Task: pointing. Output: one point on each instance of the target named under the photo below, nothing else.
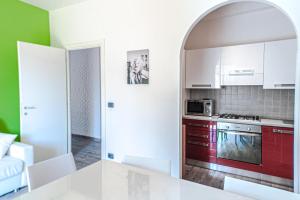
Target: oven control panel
(239, 127)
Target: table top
(107, 180)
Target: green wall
(18, 22)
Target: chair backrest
(47, 171)
(257, 191)
(163, 166)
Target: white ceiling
(52, 4)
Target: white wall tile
(250, 100)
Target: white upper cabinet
(242, 64)
(280, 64)
(203, 68)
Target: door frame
(87, 45)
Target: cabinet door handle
(199, 125)
(200, 136)
(284, 85)
(280, 131)
(201, 85)
(198, 143)
(242, 72)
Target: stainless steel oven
(239, 142)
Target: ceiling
(231, 9)
(52, 4)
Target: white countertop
(262, 122)
(108, 180)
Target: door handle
(242, 133)
(197, 135)
(29, 108)
(199, 125)
(242, 72)
(275, 130)
(198, 143)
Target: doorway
(218, 29)
(85, 105)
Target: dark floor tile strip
(216, 179)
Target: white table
(108, 180)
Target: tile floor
(86, 150)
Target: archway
(182, 61)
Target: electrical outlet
(110, 155)
(111, 104)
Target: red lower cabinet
(277, 148)
(277, 151)
(201, 140)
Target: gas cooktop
(240, 117)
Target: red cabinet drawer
(201, 140)
(192, 131)
(196, 152)
(200, 153)
(277, 151)
(199, 124)
(239, 165)
(200, 149)
(201, 129)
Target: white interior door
(43, 99)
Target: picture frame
(138, 67)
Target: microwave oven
(204, 107)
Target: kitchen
(240, 64)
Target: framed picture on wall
(138, 67)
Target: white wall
(85, 92)
(146, 118)
(240, 26)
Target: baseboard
(241, 172)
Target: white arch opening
(297, 87)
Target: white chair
(50, 170)
(257, 191)
(163, 166)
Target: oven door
(239, 146)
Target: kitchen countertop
(262, 122)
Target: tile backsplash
(250, 100)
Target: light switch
(111, 105)
(110, 156)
